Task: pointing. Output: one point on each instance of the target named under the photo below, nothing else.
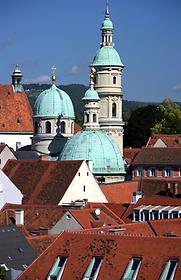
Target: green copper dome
(91, 94)
(107, 24)
(107, 56)
(53, 102)
(97, 146)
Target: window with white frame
(167, 172)
(93, 269)
(58, 268)
(139, 172)
(169, 270)
(152, 172)
(132, 269)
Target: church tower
(107, 68)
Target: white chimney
(19, 216)
(136, 197)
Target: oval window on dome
(48, 127)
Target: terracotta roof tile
(160, 186)
(87, 218)
(130, 154)
(116, 250)
(41, 243)
(46, 181)
(120, 192)
(170, 140)
(158, 156)
(168, 227)
(15, 111)
(37, 216)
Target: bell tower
(107, 68)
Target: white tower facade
(108, 68)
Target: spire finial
(54, 74)
(107, 8)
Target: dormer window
(169, 270)
(132, 269)
(93, 269)
(58, 268)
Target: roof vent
(98, 212)
(116, 229)
(170, 234)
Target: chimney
(136, 196)
(19, 216)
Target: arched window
(114, 110)
(94, 118)
(87, 118)
(114, 80)
(35, 127)
(62, 127)
(48, 127)
(72, 128)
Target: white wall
(12, 139)
(5, 155)
(9, 193)
(76, 189)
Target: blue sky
(39, 33)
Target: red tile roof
(130, 154)
(41, 243)
(153, 186)
(158, 156)
(120, 192)
(170, 140)
(116, 250)
(87, 218)
(36, 216)
(166, 227)
(15, 111)
(42, 182)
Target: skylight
(57, 269)
(132, 269)
(169, 270)
(93, 269)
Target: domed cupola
(53, 102)
(53, 119)
(98, 147)
(91, 107)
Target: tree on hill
(137, 130)
(170, 122)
